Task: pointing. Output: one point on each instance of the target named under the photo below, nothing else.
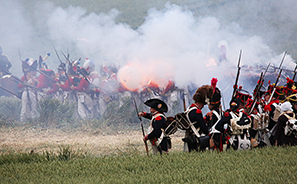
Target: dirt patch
(24, 140)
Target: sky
(171, 44)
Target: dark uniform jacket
(280, 136)
(157, 123)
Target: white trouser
(85, 106)
(29, 106)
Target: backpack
(239, 123)
(182, 119)
(170, 126)
(291, 126)
(277, 112)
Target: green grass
(267, 165)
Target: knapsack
(182, 119)
(239, 123)
(170, 126)
(291, 126)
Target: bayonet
(237, 76)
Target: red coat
(20, 84)
(83, 85)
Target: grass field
(56, 156)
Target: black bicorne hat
(157, 104)
(234, 103)
(29, 65)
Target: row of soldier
(266, 119)
(90, 90)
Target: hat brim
(157, 104)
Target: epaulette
(158, 118)
(198, 111)
(226, 114)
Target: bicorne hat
(157, 104)
(29, 65)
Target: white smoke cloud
(172, 43)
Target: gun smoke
(171, 44)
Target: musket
(280, 65)
(261, 82)
(58, 56)
(20, 81)
(294, 72)
(184, 104)
(237, 76)
(257, 89)
(145, 143)
(64, 69)
(279, 74)
(187, 132)
(274, 87)
(48, 77)
(10, 92)
(67, 60)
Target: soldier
(201, 97)
(272, 108)
(94, 90)
(61, 79)
(289, 88)
(243, 95)
(237, 132)
(158, 122)
(89, 66)
(108, 86)
(47, 84)
(84, 101)
(29, 102)
(72, 80)
(256, 119)
(286, 131)
(5, 64)
(212, 117)
(293, 100)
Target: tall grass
(10, 109)
(266, 165)
(54, 112)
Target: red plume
(214, 83)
